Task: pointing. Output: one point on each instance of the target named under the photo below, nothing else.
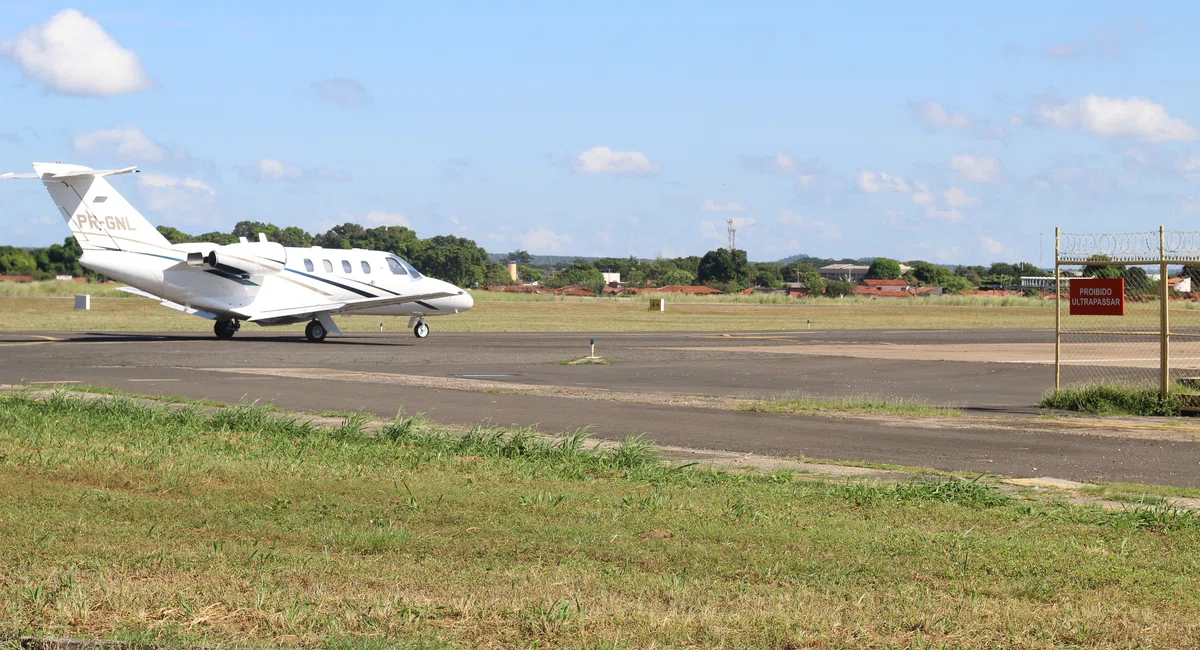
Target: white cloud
(388, 218)
(170, 182)
(544, 240)
(922, 197)
(784, 162)
(1110, 117)
(267, 170)
(937, 116)
(789, 217)
(1102, 44)
(270, 169)
(188, 199)
(872, 182)
(822, 229)
(603, 160)
(126, 142)
(981, 169)
(715, 206)
(1190, 167)
(934, 114)
(341, 91)
(496, 237)
(956, 198)
(953, 201)
(72, 54)
(806, 172)
(991, 245)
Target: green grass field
(499, 312)
(151, 524)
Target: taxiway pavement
(751, 365)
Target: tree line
(463, 262)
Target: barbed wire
(1179, 246)
(1183, 245)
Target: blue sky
(953, 132)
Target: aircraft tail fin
(99, 217)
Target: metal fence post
(1164, 379)
(1057, 317)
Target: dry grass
(141, 523)
(56, 289)
(578, 314)
(872, 404)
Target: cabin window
(308, 266)
(366, 267)
(395, 266)
(346, 268)
(328, 266)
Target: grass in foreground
(153, 524)
(1115, 399)
(871, 404)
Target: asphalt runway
(356, 372)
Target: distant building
(1181, 285)
(843, 272)
(611, 278)
(512, 271)
(1042, 282)
(886, 285)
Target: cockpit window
(395, 266)
(412, 270)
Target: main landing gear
(315, 332)
(421, 330)
(224, 329)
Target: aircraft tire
(315, 332)
(224, 329)
(421, 330)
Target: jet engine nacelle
(243, 259)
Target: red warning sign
(1097, 296)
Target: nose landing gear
(421, 330)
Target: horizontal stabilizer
(94, 172)
(167, 303)
(72, 173)
(344, 306)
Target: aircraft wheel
(224, 329)
(315, 332)
(421, 330)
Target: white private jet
(257, 282)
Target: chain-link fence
(1149, 334)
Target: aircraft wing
(167, 303)
(342, 306)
